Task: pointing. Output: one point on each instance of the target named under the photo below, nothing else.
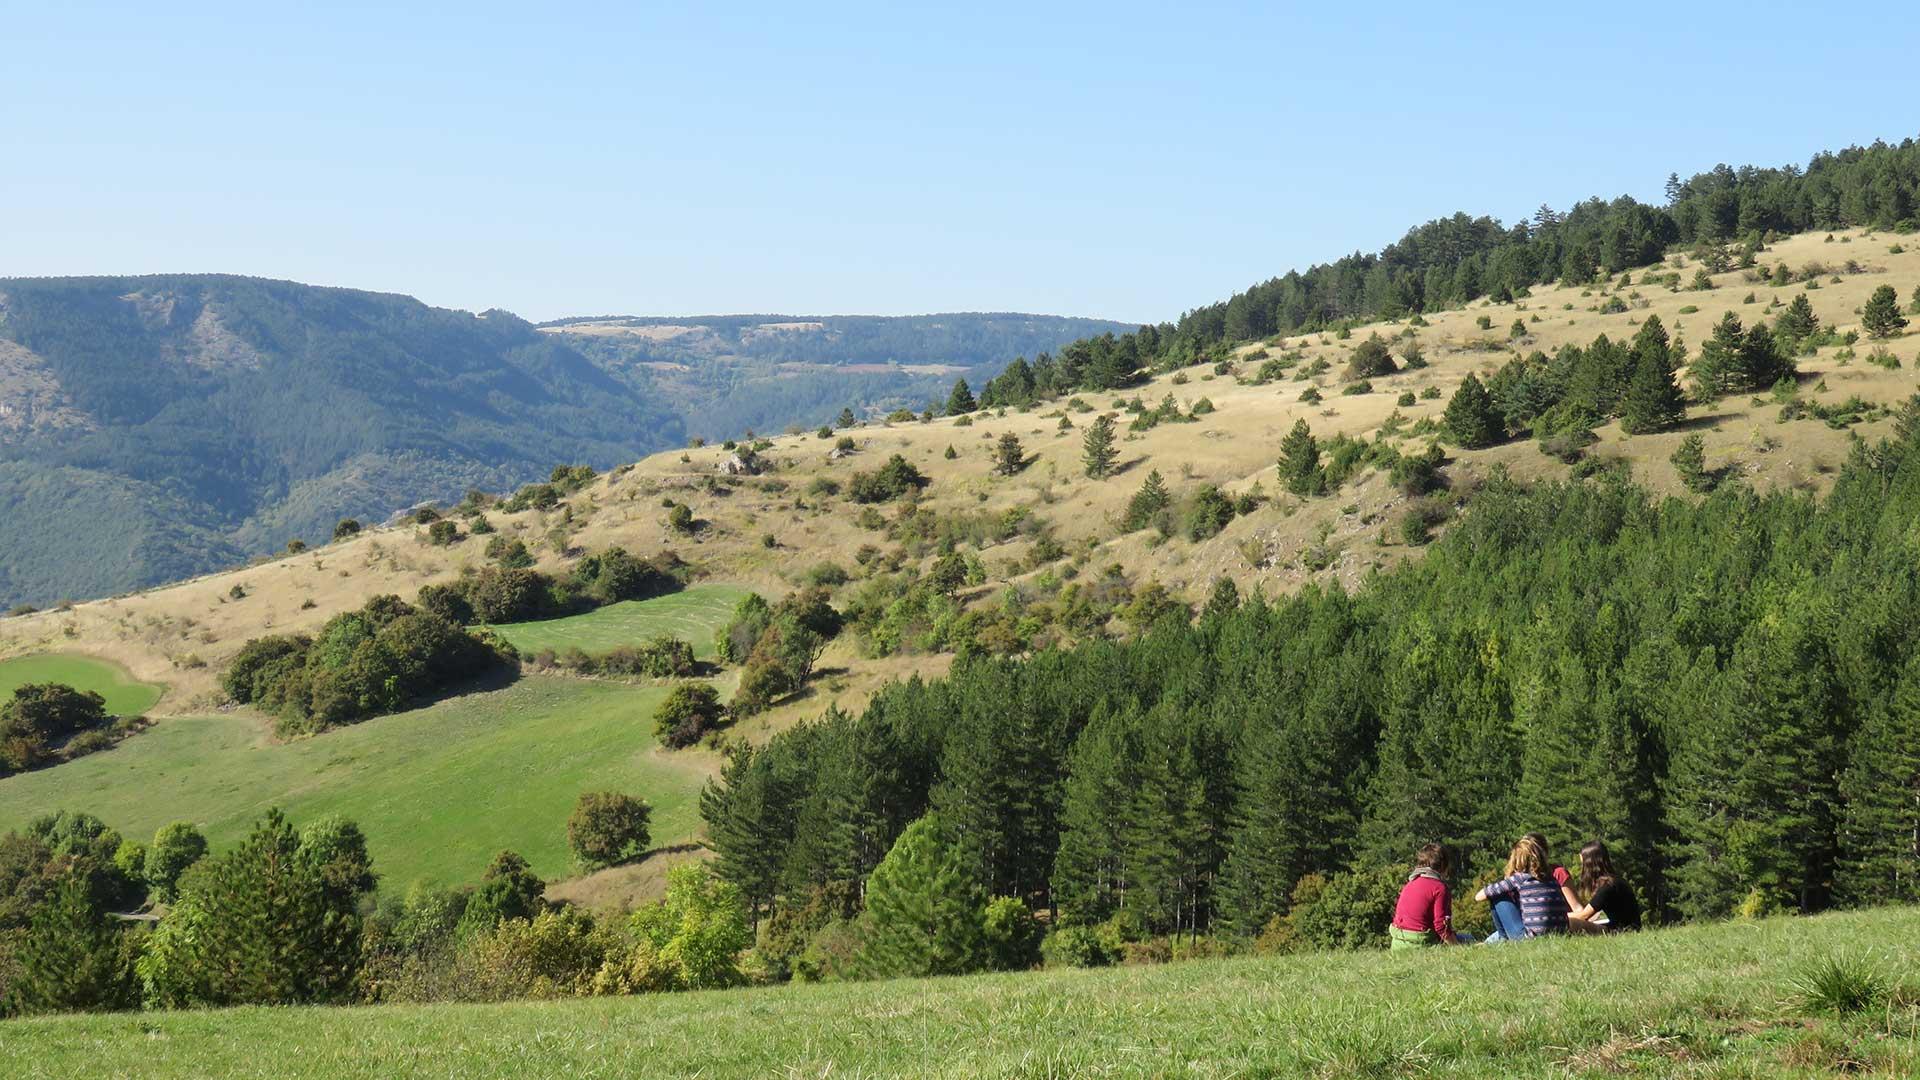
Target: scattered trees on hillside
(1248, 775)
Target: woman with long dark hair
(1610, 905)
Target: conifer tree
(1299, 466)
(1653, 401)
(71, 958)
(1753, 785)
(1881, 317)
(1471, 417)
(923, 909)
(1089, 877)
(1224, 599)
(1718, 371)
(256, 925)
(1172, 829)
(1097, 452)
(960, 401)
(1690, 461)
(1798, 323)
(1147, 502)
(1880, 829)
(1009, 457)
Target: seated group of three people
(1534, 898)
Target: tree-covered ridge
(260, 411)
(1723, 691)
(1459, 259)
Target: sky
(1113, 160)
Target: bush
(176, 847)
(896, 478)
(1012, 934)
(1343, 911)
(687, 714)
(442, 533)
(608, 828)
(1076, 946)
(346, 529)
(40, 715)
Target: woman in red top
(1424, 915)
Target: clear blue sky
(1113, 160)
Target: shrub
(687, 714)
(442, 533)
(346, 529)
(1076, 946)
(607, 828)
(1345, 910)
(896, 478)
(176, 847)
(1012, 934)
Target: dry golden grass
(181, 635)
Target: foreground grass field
(438, 790)
(126, 696)
(691, 615)
(1712, 1001)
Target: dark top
(1622, 907)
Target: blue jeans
(1506, 922)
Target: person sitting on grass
(1424, 914)
(1530, 888)
(1611, 906)
(1560, 876)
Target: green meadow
(437, 790)
(126, 696)
(691, 615)
(1711, 1001)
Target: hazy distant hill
(152, 427)
(728, 373)
(156, 427)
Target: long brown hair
(1596, 867)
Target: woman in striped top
(1529, 884)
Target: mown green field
(126, 696)
(438, 790)
(691, 615)
(1715, 1001)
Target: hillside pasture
(438, 790)
(1722, 1000)
(691, 615)
(125, 695)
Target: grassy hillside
(1708, 1001)
(438, 791)
(182, 634)
(125, 695)
(691, 615)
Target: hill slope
(153, 428)
(1703, 1001)
(170, 423)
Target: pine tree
(72, 959)
(1471, 417)
(1690, 461)
(1653, 401)
(1299, 466)
(846, 418)
(960, 401)
(1761, 364)
(1089, 878)
(256, 925)
(1147, 502)
(1009, 457)
(1798, 322)
(1172, 834)
(1097, 452)
(1753, 785)
(1881, 317)
(1718, 370)
(923, 909)
(1224, 599)
(1880, 827)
